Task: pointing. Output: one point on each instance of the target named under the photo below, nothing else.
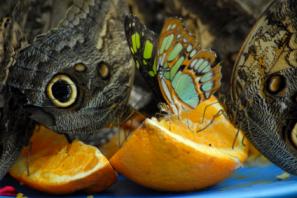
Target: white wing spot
(169, 27)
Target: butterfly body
(186, 74)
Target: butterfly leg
(235, 138)
(219, 113)
(205, 109)
(242, 140)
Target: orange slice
(52, 165)
(170, 155)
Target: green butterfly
(186, 74)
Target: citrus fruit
(171, 154)
(52, 165)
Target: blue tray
(245, 182)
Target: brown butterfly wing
(264, 85)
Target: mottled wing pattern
(15, 125)
(263, 100)
(187, 74)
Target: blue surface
(245, 182)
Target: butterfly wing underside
(188, 75)
(142, 43)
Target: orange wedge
(52, 165)
(171, 155)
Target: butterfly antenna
(219, 113)
(235, 138)
(205, 109)
(242, 140)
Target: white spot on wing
(166, 91)
(169, 27)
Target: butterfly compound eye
(275, 84)
(62, 91)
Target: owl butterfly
(74, 79)
(263, 99)
(186, 74)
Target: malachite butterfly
(185, 73)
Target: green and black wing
(143, 46)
